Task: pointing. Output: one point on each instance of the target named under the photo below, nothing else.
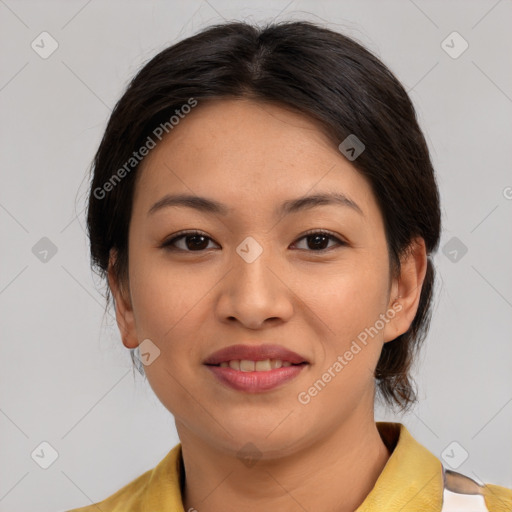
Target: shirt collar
(411, 480)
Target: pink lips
(254, 353)
(255, 381)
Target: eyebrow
(206, 205)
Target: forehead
(249, 154)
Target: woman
(264, 208)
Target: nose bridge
(253, 293)
(250, 250)
(252, 261)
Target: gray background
(65, 376)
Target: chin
(272, 440)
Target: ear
(406, 290)
(124, 311)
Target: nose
(254, 292)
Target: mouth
(264, 365)
(255, 368)
(255, 357)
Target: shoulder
(159, 487)
(497, 498)
(461, 492)
(127, 498)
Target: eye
(316, 239)
(196, 241)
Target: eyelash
(167, 244)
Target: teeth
(262, 366)
(245, 365)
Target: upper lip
(254, 353)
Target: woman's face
(256, 278)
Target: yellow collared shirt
(413, 480)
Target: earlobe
(406, 289)
(123, 307)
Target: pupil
(196, 245)
(316, 238)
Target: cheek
(163, 295)
(169, 303)
(347, 298)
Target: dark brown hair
(315, 71)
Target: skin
(325, 455)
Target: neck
(335, 473)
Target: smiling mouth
(260, 376)
(265, 365)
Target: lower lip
(255, 382)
